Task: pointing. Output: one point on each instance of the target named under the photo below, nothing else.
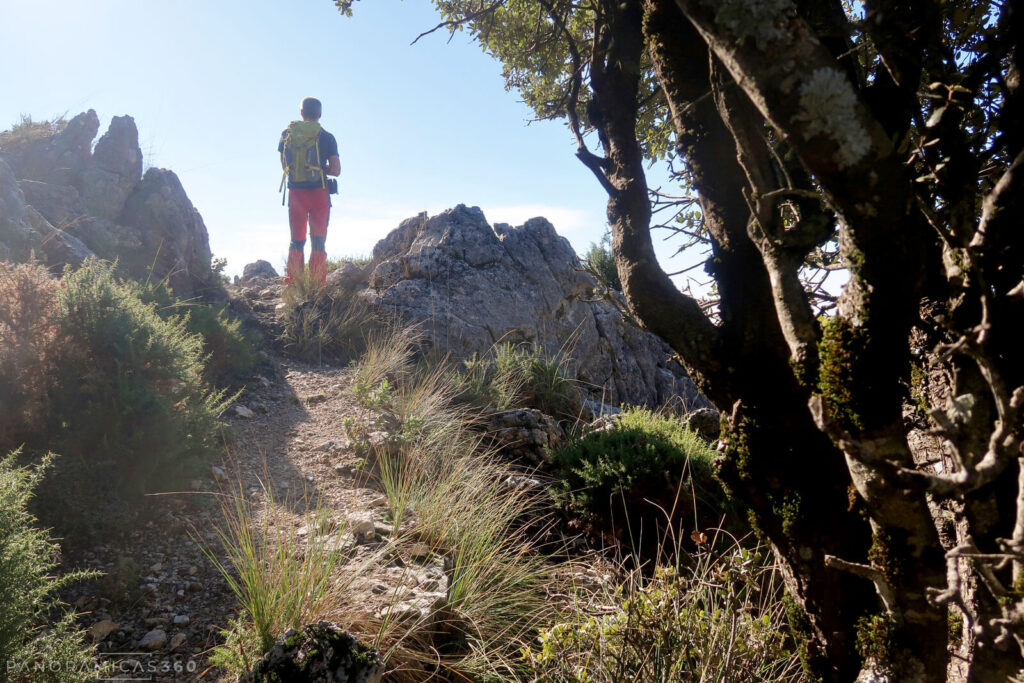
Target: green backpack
(301, 153)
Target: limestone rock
(470, 285)
(116, 169)
(65, 201)
(319, 653)
(16, 235)
(524, 434)
(172, 230)
(348, 277)
(258, 270)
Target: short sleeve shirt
(328, 148)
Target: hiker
(308, 155)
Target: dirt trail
(162, 600)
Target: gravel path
(161, 605)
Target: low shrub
(718, 618)
(37, 643)
(129, 409)
(28, 296)
(638, 481)
(229, 351)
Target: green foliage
(599, 261)
(523, 375)
(229, 352)
(616, 479)
(34, 644)
(129, 407)
(27, 349)
(721, 619)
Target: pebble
(181, 620)
(101, 629)
(177, 640)
(419, 551)
(363, 530)
(244, 412)
(154, 640)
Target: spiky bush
(719, 617)
(129, 407)
(27, 350)
(37, 643)
(229, 351)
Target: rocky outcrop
(471, 286)
(65, 201)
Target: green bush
(129, 407)
(630, 480)
(27, 349)
(721, 618)
(37, 643)
(229, 351)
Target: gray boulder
(115, 170)
(17, 239)
(173, 234)
(471, 286)
(258, 270)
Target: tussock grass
(282, 579)
(521, 375)
(27, 131)
(323, 324)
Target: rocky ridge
(65, 200)
(471, 286)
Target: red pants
(312, 207)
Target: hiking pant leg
(319, 216)
(298, 215)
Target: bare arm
(333, 165)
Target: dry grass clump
(324, 324)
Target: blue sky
(211, 84)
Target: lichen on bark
(828, 106)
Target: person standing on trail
(308, 155)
